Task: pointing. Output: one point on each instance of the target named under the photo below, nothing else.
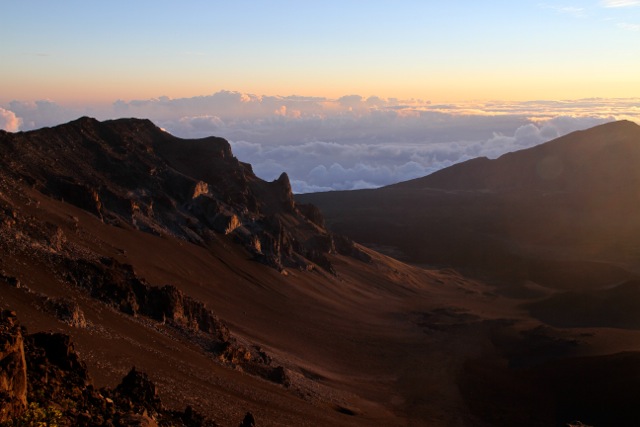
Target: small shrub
(36, 416)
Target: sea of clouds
(346, 143)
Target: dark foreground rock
(44, 382)
(248, 421)
(13, 368)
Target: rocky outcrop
(78, 194)
(312, 213)
(200, 189)
(213, 214)
(137, 392)
(168, 304)
(66, 310)
(62, 308)
(13, 368)
(118, 285)
(346, 246)
(57, 350)
(284, 193)
(131, 172)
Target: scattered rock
(67, 311)
(14, 282)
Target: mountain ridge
(131, 172)
(541, 167)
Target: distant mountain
(601, 159)
(563, 214)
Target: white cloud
(350, 142)
(43, 113)
(574, 11)
(620, 3)
(347, 165)
(578, 12)
(9, 121)
(629, 27)
(303, 187)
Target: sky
(342, 95)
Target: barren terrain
(273, 314)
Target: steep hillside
(561, 214)
(171, 256)
(131, 173)
(599, 160)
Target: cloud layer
(9, 121)
(351, 142)
(345, 165)
(620, 3)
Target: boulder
(137, 388)
(58, 350)
(248, 420)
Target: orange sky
(443, 52)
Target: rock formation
(131, 172)
(13, 368)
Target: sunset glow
(442, 52)
(344, 213)
(417, 78)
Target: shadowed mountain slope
(562, 214)
(599, 160)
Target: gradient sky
(85, 52)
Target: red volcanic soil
(299, 336)
(353, 345)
